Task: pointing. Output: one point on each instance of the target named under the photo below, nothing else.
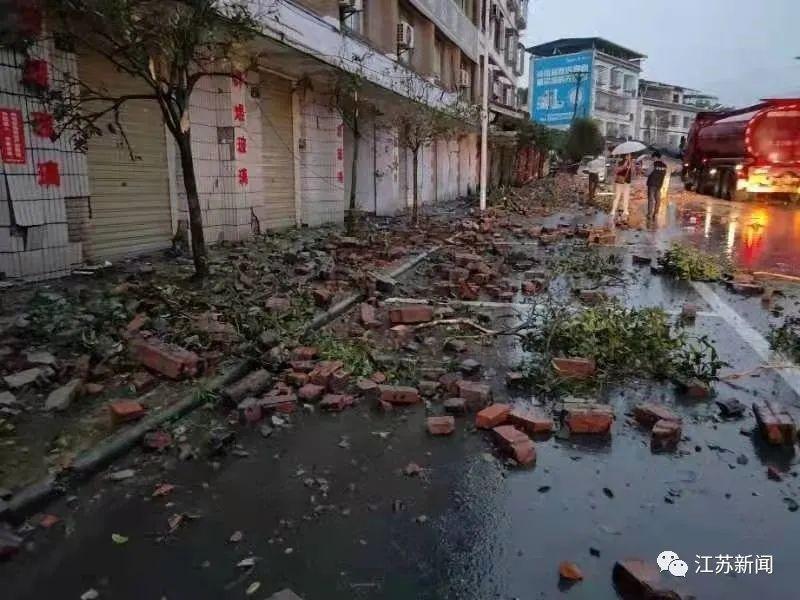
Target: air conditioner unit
(464, 79)
(405, 36)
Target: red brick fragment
(168, 359)
(157, 441)
(368, 315)
(476, 394)
(297, 378)
(457, 275)
(665, 435)
(283, 403)
(378, 377)
(589, 419)
(531, 421)
(310, 392)
(574, 368)
(338, 381)
(323, 372)
(569, 571)
(408, 315)
(336, 402)
(455, 405)
(143, 382)
(441, 425)
(136, 323)
(304, 353)
(648, 414)
(249, 411)
(492, 416)
(123, 411)
(775, 422)
(516, 443)
(398, 394)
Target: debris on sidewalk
(776, 424)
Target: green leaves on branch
(687, 262)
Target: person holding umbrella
(623, 175)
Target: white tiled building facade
(270, 152)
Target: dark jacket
(656, 177)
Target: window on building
(673, 120)
(687, 122)
(676, 98)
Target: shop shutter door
(130, 207)
(277, 151)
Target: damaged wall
(44, 189)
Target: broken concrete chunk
(492, 416)
(168, 359)
(589, 418)
(455, 405)
(397, 394)
(515, 443)
(251, 384)
(41, 358)
(62, 397)
(469, 366)
(26, 377)
(384, 283)
(444, 425)
(7, 399)
(731, 407)
(775, 422)
(409, 315)
(574, 368)
(648, 414)
(531, 421)
(428, 388)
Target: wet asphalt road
(486, 530)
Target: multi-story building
(666, 113)
(271, 151)
(586, 77)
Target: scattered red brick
(575, 368)
(249, 411)
(463, 260)
(514, 378)
(531, 421)
(665, 435)
(157, 441)
(47, 521)
(476, 394)
(168, 359)
(469, 291)
(775, 422)
(123, 411)
(322, 296)
(589, 419)
(297, 378)
(457, 275)
(338, 381)
(304, 353)
(698, 389)
(302, 366)
(143, 382)
(277, 304)
(323, 372)
(162, 490)
(648, 414)
(136, 323)
(449, 382)
(336, 402)
(398, 394)
(569, 571)
(369, 317)
(441, 425)
(378, 377)
(311, 392)
(492, 416)
(408, 315)
(284, 403)
(516, 443)
(455, 405)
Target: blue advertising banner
(557, 80)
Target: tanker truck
(744, 153)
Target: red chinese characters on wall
(12, 136)
(43, 124)
(239, 113)
(48, 173)
(244, 178)
(34, 73)
(241, 145)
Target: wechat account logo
(669, 561)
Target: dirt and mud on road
(542, 407)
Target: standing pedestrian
(622, 187)
(594, 168)
(655, 183)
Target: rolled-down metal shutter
(277, 151)
(130, 207)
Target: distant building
(586, 77)
(667, 112)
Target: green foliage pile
(624, 342)
(687, 262)
(786, 338)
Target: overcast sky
(741, 50)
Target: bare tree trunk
(199, 253)
(351, 213)
(415, 204)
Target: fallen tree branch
(468, 322)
